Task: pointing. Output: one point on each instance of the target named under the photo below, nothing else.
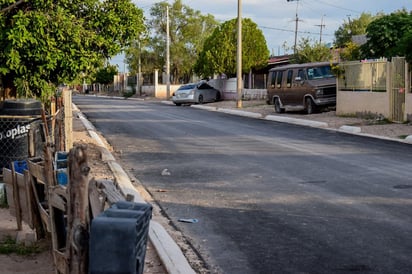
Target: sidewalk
(367, 126)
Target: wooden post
(77, 210)
(68, 119)
(16, 198)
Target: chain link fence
(25, 136)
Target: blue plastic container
(20, 166)
(61, 176)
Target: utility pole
(321, 28)
(296, 25)
(167, 55)
(239, 55)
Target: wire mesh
(23, 137)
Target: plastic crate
(118, 238)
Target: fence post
(68, 119)
(156, 82)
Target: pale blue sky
(276, 18)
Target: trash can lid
(21, 107)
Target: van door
(301, 86)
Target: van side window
(301, 74)
(273, 79)
(279, 79)
(289, 78)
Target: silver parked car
(196, 93)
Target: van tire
(278, 109)
(200, 99)
(309, 106)
(218, 97)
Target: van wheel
(278, 109)
(309, 106)
(218, 98)
(200, 99)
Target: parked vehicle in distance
(301, 87)
(196, 93)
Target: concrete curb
(204, 107)
(295, 121)
(168, 251)
(240, 113)
(350, 129)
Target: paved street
(267, 197)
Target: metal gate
(397, 84)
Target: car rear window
(185, 87)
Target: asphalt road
(268, 197)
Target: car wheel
(178, 104)
(200, 99)
(278, 109)
(309, 106)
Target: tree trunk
(10, 90)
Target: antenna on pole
(321, 28)
(296, 25)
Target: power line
(288, 30)
(338, 7)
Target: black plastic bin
(118, 239)
(17, 117)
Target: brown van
(306, 87)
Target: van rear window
(289, 78)
(273, 79)
(279, 79)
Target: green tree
(106, 74)
(308, 51)
(188, 30)
(350, 52)
(219, 51)
(389, 36)
(44, 42)
(357, 26)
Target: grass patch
(8, 246)
(402, 136)
(348, 115)
(128, 94)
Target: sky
(277, 18)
